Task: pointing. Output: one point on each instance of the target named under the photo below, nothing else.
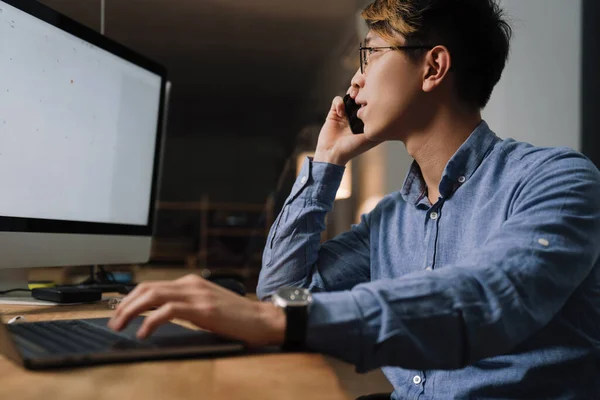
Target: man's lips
(360, 111)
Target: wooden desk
(274, 376)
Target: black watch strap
(295, 329)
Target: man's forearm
(294, 240)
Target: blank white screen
(77, 127)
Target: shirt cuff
(317, 180)
(334, 326)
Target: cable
(102, 17)
(14, 290)
(105, 276)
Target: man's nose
(356, 84)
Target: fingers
(338, 107)
(203, 313)
(135, 293)
(353, 91)
(341, 109)
(163, 315)
(144, 301)
(189, 279)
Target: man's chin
(369, 133)
(393, 131)
(378, 134)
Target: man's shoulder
(523, 157)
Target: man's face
(389, 91)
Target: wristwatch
(295, 302)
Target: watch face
(295, 296)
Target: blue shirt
(492, 292)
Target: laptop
(83, 342)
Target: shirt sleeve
(293, 254)
(485, 305)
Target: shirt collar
(459, 169)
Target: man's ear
(436, 65)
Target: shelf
(205, 206)
(238, 232)
(212, 223)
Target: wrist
(274, 320)
(329, 157)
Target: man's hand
(207, 306)
(337, 144)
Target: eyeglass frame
(363, 60)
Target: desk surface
(274, 376)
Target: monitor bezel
(60, 21)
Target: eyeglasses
(365, 52)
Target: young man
(480, 278)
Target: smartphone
(356, 125)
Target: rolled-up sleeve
(294, 255)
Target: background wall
(538, 99)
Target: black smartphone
(356, 125)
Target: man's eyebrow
(367, 40)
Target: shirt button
(434, 215)
(416, 379)
(462, 179)
(303, 180)
(428, 269)
(544, 242)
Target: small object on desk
(14, 320)
(40, 284)
(103, 287)
(114, 302)
(67, 295)
(125, 278)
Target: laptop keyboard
(70, 336)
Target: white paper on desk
(32, 302)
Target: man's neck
(433, 147)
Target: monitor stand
(17, 278)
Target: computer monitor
(81, 123)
